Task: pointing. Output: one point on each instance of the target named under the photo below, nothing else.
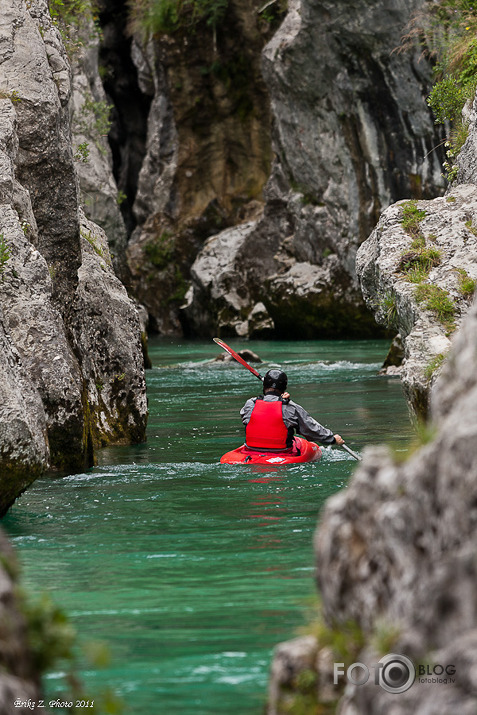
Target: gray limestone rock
(399, 545)
(19, 678)
(24, 450)
(108, 337)
(41, 95)
(72, 364)
(391, 290)
(352, 133)
(90, 123)
(396, 553)
(219, 300)
(36, 328)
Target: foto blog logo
(394, 673)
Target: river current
(191, 571)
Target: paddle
(237, 357)
(350, 451)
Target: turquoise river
(191, 571)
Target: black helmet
(275, 380)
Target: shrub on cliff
(447, 30)
(159, 17)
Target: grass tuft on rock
(439, 302)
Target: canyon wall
(207, 152)
(396, 569)
(72, 366)
(351, 133)
(298, 134)
(395, 551)
(418, 272)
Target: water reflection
(268, 507)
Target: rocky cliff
(207, 152)
(421, 281)
(352, 134)
(90, 124)
(418, 272)
(72, 375)
(19, 678)
(396, 567)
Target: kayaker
(272, 419)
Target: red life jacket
(266, 428)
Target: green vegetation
(53, 643)
(384, 637)
(434, 365)
(273, 11)
(425, 433)
(98, 249)
(5, 254)
(180, 287)
(69, 16)
(448, 29)
(439, 302)
(411, 218)
(467, 284)
(388, 307)
(50, 635)
(93, 120)
(68, 12)
(12, 96)
(82, 153)
(160, 251)
(417, 264)
(471, 227)
(166, 17)
(101, 111)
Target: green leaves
(4, 254)
(165, 17)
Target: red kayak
(303, 451)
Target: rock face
(392, 287)
(399, 271)
(68, 329)
(93, 161)
(352, 134)
(396, 553)
(208, 150)
(19, 679)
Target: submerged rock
(247, 355)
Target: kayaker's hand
(338, 439)
(286, 396)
